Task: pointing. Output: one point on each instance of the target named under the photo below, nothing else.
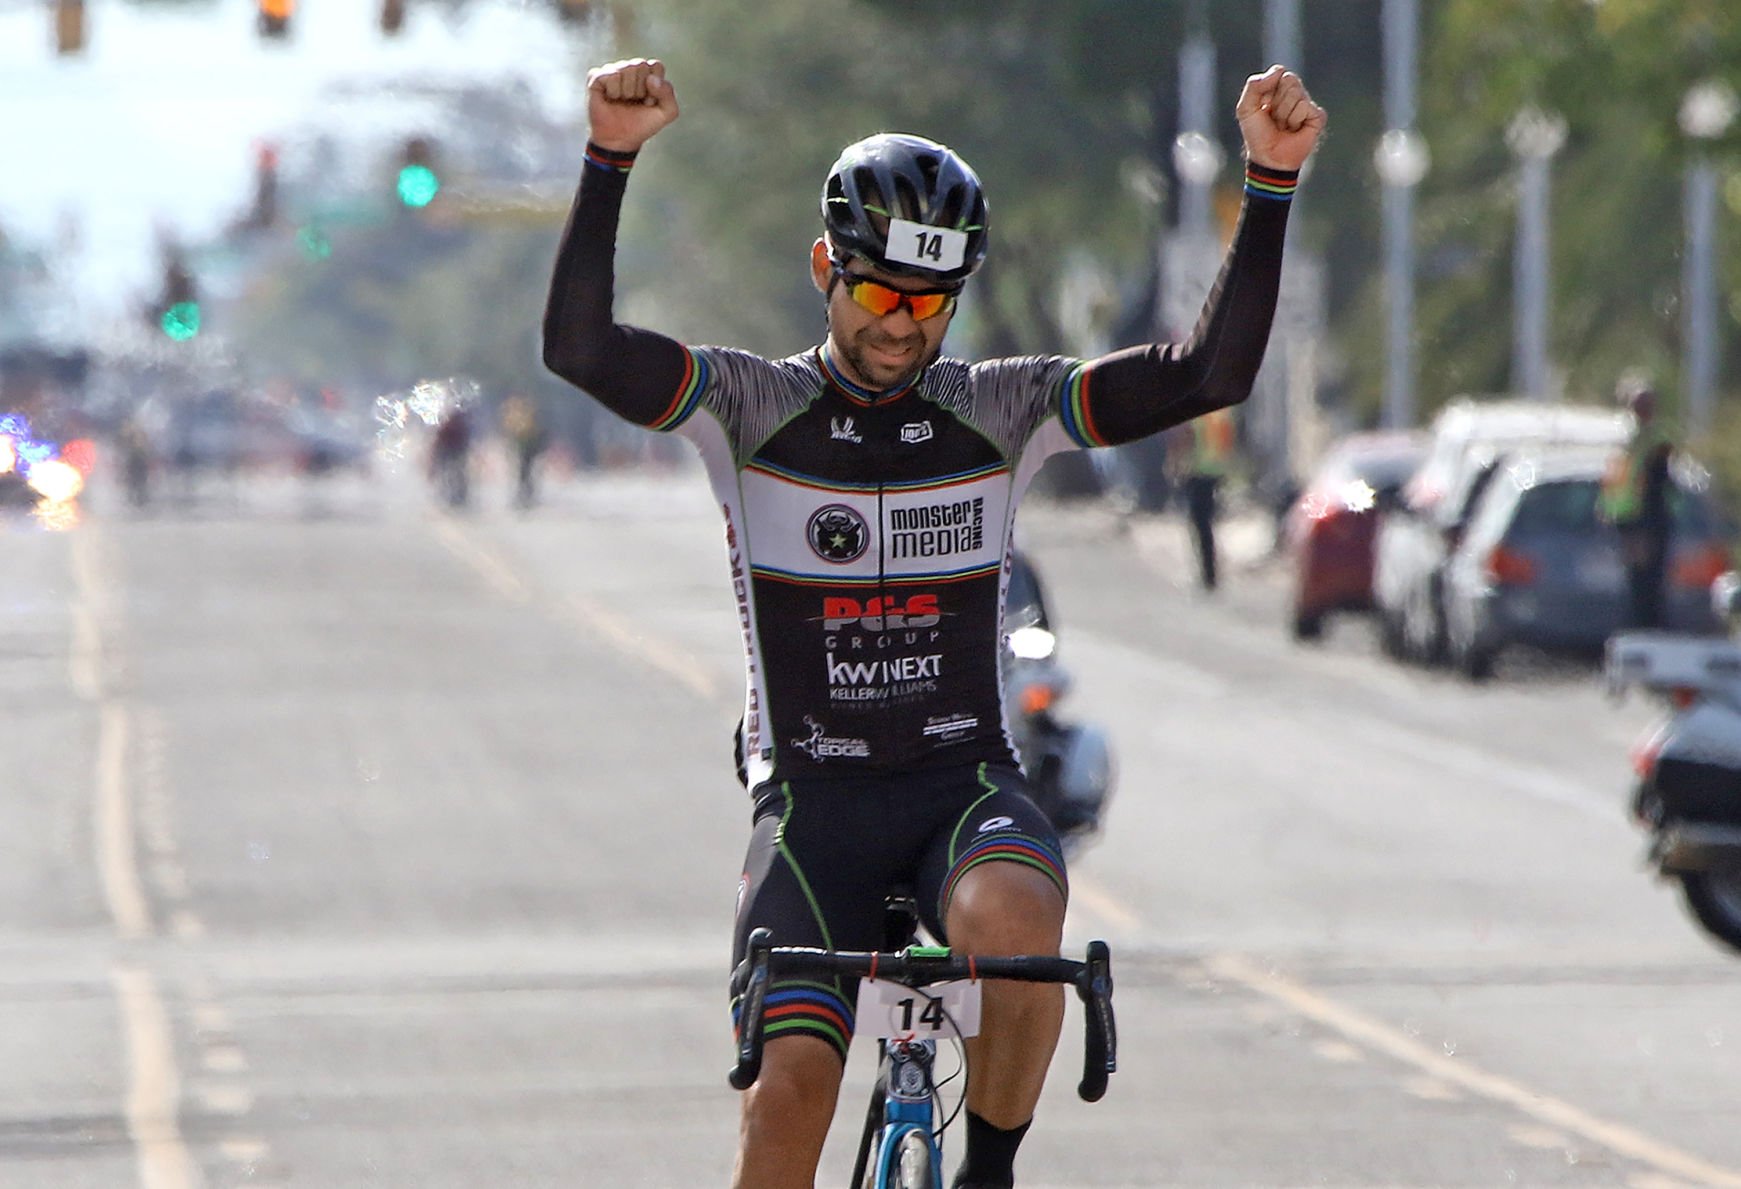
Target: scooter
(1069, 764)
(1688, 795)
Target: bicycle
(900, 1147)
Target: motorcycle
(1069, 764)
(1688, 794)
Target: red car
(1330, 528)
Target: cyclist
(869, 486)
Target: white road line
(224, 1058)
(225, 1098)
(154, 1087)
(244, 1149)
(1544, 1109)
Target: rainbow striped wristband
(609, 160)
(1276, 184)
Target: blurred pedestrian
(524, 429)
(869, 486)
(1634, 499)
(1205, 448)
(450, 457)
(137, 449)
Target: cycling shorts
(825, 854)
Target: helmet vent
(908, 203)
(929, 166)
(949, 214)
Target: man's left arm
(1136, 392)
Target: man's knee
(1005, 908)
(799, 1074)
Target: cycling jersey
(868, 533)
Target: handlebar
(1092, 979)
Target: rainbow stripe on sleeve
(1073, 408)
(689, 390)
(609, 160)
(1275, 184)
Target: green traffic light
(418, 185)
(181, 320)
(314, 243)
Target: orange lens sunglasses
(881, 300)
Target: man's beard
(877, 374)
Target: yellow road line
(579, 612)
(1086, 893)
(489, 564)
(1543, 1108)
(117, 865)
(84, 663)
(152, 1106)
(154, 1086)
(642, 647)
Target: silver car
(1415, 540)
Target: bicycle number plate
(897, 1012)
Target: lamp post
(1401, 160)
(1191, 256)
(1534, 136)
(1706, 112)
(1196, 156)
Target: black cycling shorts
(825, 854)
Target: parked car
(1329, 529)
(1539, 566)
(1467, 442)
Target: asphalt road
(344, 842)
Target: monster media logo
(828, 747)
(938, 530)
(838, 534)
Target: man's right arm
(645, 377)
(635, 373)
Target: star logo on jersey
(838, 534)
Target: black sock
(991, 1155)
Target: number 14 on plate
(897, 1012)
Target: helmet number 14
(937, 248)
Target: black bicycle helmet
(894, 176)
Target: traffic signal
(275, 17)
(417, 182)
(392, 16)
(178, 307)
(69, 26)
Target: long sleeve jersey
(868, 534)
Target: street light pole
(1706, 113)
(1534, 136)
(1401, 161)
(1196, 155)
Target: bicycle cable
(959, 1043)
